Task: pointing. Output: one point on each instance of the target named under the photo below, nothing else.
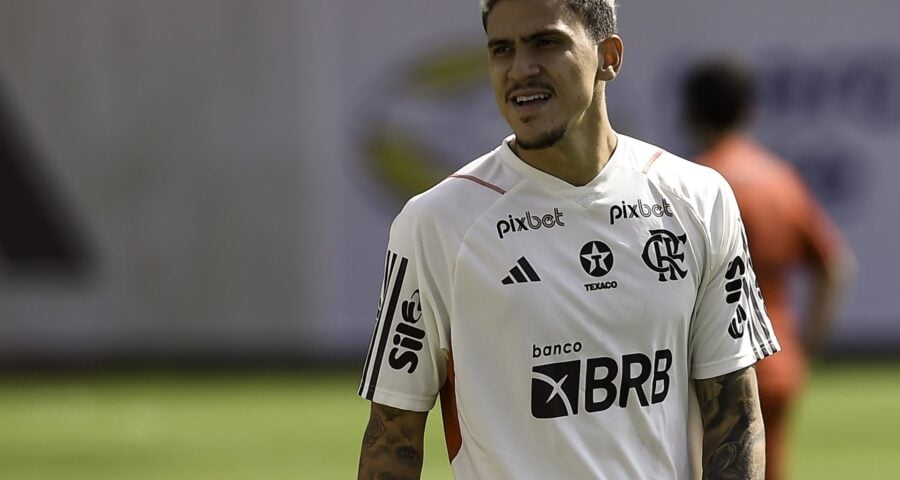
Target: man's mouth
(523, 100)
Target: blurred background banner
(224, 172)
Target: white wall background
(215, 152)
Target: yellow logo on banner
(438, 114)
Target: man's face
(543, 69)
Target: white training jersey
(563, 325)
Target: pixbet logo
(529, 222)
(408, 339)
(639, 209)
(555, 387)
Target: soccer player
(582, 301)
(786, 228)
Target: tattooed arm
(733, 437)
(392, 444)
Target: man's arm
(734, 445)
(831, 282)
(392, 444)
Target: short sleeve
(407, 361)
(730, 328)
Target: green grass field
(309, 425)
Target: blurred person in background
(786, 229)
(582, 300)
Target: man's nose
(523, 67)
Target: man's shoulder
(673, 173)
(462, 196)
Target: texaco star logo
(663, 254)
(596, 258)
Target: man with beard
(582, 301)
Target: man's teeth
(540, 96)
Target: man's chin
(540, 141)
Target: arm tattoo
(392, 444)
(733, 434)
(374, 430)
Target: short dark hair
(718, 95)
(599, 16)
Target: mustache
(530, 85)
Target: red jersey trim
(480, 182)
(652, 161)
(449, 413)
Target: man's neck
(574, 159)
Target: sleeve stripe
(388, 267)
(386, 318)
(759, 327)
(761, 322)
(754, 338)
(752, 324)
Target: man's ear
(611, 50)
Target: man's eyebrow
(498, 41)
(547, 32)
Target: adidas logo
(521, 273)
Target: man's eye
(501, 50)
(546, 42)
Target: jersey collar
(598, 185)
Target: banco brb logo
(554, 389)
(559, 389)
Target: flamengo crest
(664, 255)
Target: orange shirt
(786, 228)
